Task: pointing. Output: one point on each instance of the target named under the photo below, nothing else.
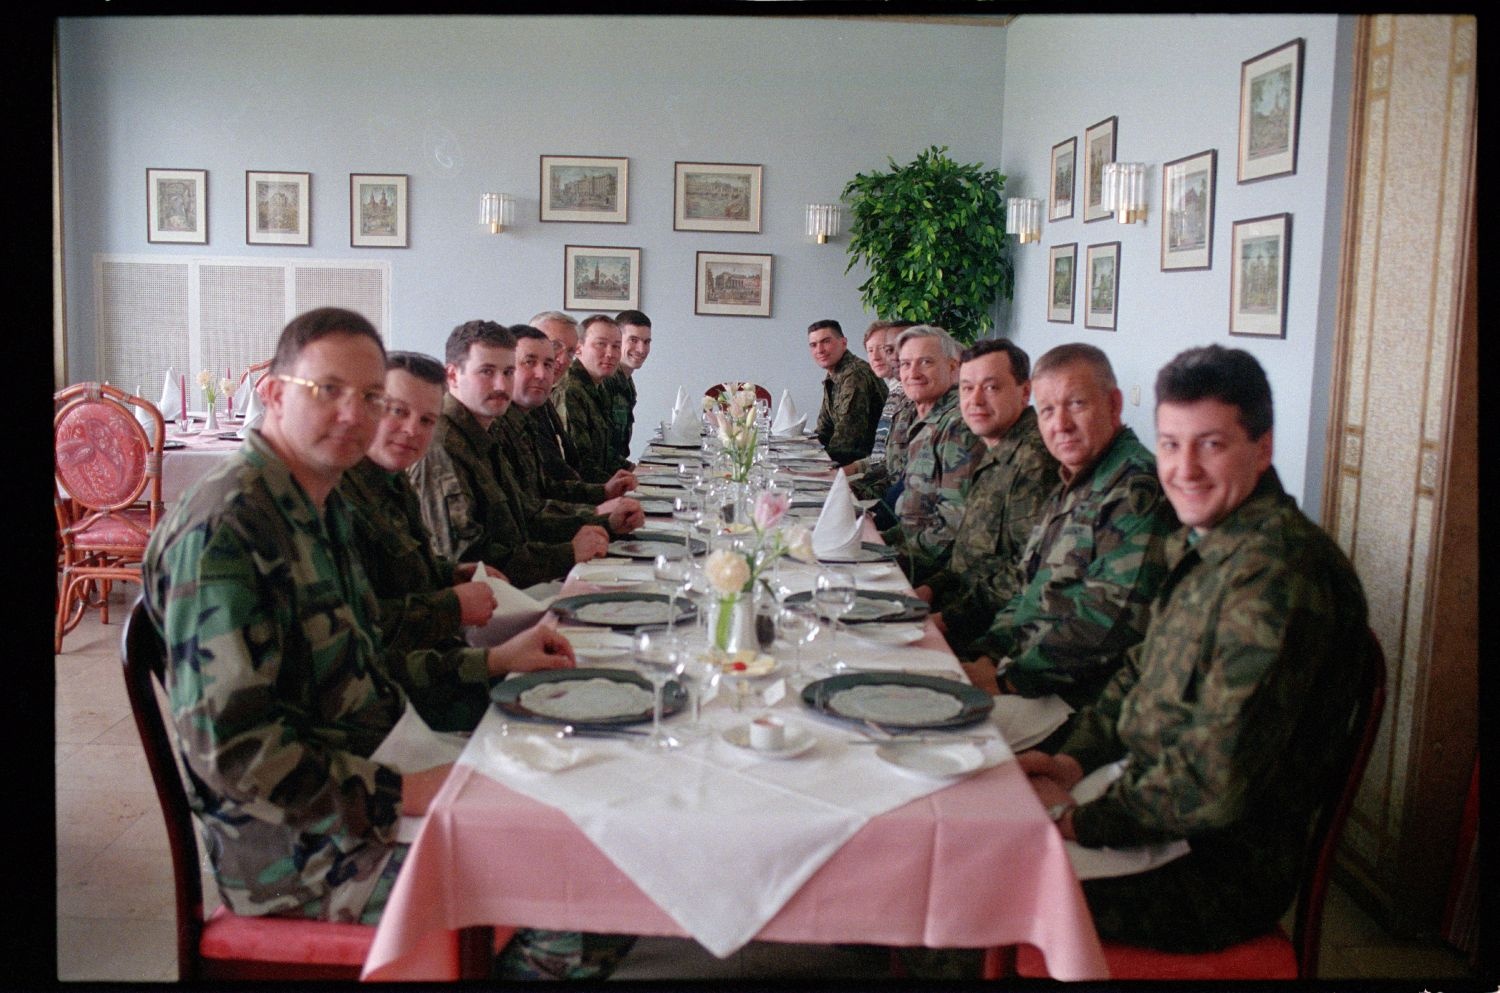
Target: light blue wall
(1173, 82)
(467, 104)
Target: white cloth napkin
(836, 535)
(514, 612)
(1024, 721)
(683, 427)
(170, 403)
(143, 416)
(1099, 863)
(255, 412)
(412, 746)
(787, 423)
(527, 753)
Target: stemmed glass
(684, 510)
(798, 624)
(661, 658)
(834, 594)
(675, 572)
(697, 675)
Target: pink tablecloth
(975, 865)
(182, 467)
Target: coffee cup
(767, 734)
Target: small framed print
(1262, 251)
(732, 284)
(582, 188)
(716, 196)
(1063, 155)
(1270, 107)
(1102, 265)
(177, 206)
(596, 277)
(377, 210)
(1187, 215)
(1061, 261)
(1098, 152)
(278, 208)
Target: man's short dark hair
(466, 334)
(591, 320)
(829, 324)
(635, 317)
(1077, 351)
(1229, 375)
(423, 367)
(304, 329)
(527, 331)
(1020, 362)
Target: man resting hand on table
(279, 683)
(1232, 712)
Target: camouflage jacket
(1233, 710)
(275, 687)
(893, 397)
(550, 514)
(472, 506)
(585, 410)
(622, 396)
(1090, 568)
(940, 457)
(1007, 491)
(558, 458)
(852, 398)
(885, 471)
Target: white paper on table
(170, 403)
(514, 612)
(786, 423)
(836, 535)
(1101, 863)
(1024, 721)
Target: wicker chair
(761, 393)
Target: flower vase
(213, 419)
(731, 623)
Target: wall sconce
(1125, 190)
(496, 210)
(822, 221)
(1023, 218)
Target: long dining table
(861, 852)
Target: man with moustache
(585, 402)
(635, 347)
(852, 395)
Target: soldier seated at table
(635, 348)
(852, 395)
(586, 400)
(559, 455)
(1093, 563)
(471, 502)
(940, 456)
(1232, 713)
(279, 684)
(1007, 489)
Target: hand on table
(476, 602)
(538, 647)
(981, 673)
(1061, 769)
(622, 482)
(626, 516)
(1051, 794)
(591, 542)
(923, 593)
(418, 788)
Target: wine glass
(661, 659)
(834, 594)
(698, 675)
(798, 624)
(684, 510)
(689, 472)
(675, 572)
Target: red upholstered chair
(761, 393)
(228, 946)
(105, 467)
(1271, 956)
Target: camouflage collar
(291, 499)
(467, 425)
(945, 406)
(847, 365)
(1265, 501)
(1124, 453)
(1010, 442)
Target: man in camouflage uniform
(880, 472)
(1092, 565)
(1234, 712)
(585, 406)
(941, 453)
(852, 395)
(635, 347)
(1007, 489)
(471, 502)
(276, 677)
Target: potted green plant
(932, 235)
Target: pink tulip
(770, 508)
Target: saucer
(798, 740)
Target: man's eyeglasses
(333, 393)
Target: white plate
(615, 575)
(598, 646)
(933, 761)
(889, 634)
(798, 740)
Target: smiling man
(852, 395)
(635, 348)
(585, 406)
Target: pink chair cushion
(101, 454)
(284, 939)
(126, 528)
(1270, 956)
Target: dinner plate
(898, 700)
(869, 551)
(875, 606)
(613, 575)
(798, 740)
(695, 446)
(653, 491)
(656, 505)
(622, 609)
(934, 761)
(582, 697)
(890, 634)
(595, 645)
(795, 465)
(650, 544)
(668, 458)
(658, 479)
(170, 445)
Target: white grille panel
(362, 290)
(143, 322)
(241, 311)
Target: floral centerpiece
(211, 389)
(734, 573)
(733, 415)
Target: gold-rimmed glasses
(332, 393)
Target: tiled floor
(114, 876)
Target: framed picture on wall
(1063, 154)
(1270, 107)
(278, 208)
(1101, 263)
(582, 188)
(377, 210)
(1061, 260)
(601, 278)
(1098, 152)
(731, 284)
(716, 196)
(177, 206)
(1187, 212)
(1261, 252)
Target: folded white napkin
(1024, 721)
(787, 423)
(255, 412)
(170, 403)
(412, 746)
(144, 417)
(528, 753)
(836, 535)
(514, 612)
(1099, 863)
